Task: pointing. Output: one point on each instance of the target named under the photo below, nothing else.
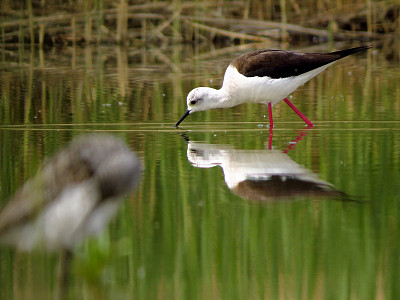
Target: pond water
(212, 217)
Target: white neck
(216, 98)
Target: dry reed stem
(154, 25)
(112, 12)
(227, 33)
(289, 27)
(122, 22)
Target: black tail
(346, 52)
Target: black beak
(183, 118)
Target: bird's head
(199, 99)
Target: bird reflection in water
(73, 195)
(261, 175)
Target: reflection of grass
(183, 234)
(119, 85)
(201, 243)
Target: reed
(122, 22)
(87, 8)
(31, 25)
(284, 33)
(161, 21)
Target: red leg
(308, 122)
(271, 121)
(271, 126)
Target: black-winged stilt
(264, 76)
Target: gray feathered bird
(72, 196)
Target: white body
(260, 175)
(73, 196)
(243, 89)
(241, 165)
(65, 222)
(237, 89)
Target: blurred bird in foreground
(73, 195)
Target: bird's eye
(193, 102)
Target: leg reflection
(301, 134)
(271, 133)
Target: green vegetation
(49, 22)
(183, 234)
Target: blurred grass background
(49, 22)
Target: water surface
(187, 232)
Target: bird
(261, 175)
(72, 196)
(266, 77)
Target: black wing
(282, 64)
